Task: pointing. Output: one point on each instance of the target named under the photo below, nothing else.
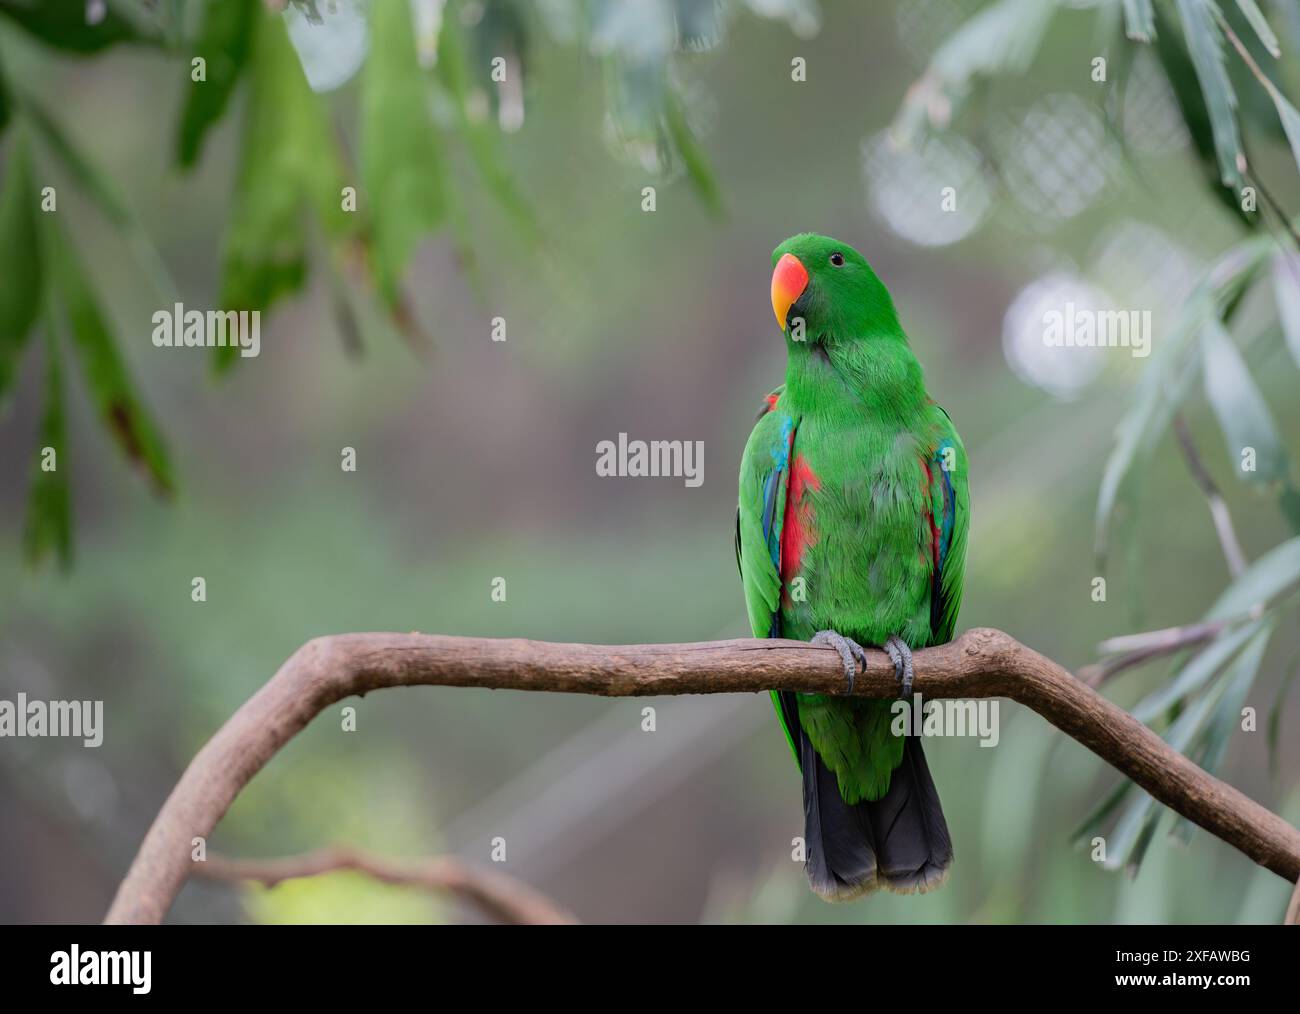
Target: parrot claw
(851, 653)
(901, 655)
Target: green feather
(877, 474)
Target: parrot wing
(950, 509)
(764, 479)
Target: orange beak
(788, 282)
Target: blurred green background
(477, 460)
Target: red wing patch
(799, 530)
(928, 490)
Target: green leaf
(63, 24)
(101, 190)
(401, 162)
(6, 110)
(1001, 38)
(1196, 672)
(1205, 45)
(1239, 405)
(1225, 722)
(1168, 374)
(480, 137)
(1134, 829)
(1286, 291)
(692, 155)
(287, 164)
(1274, 573)
(224, 43)
(1257, 21)
(1139, 20)
(101, 364)
(48, 527)
(95, 183)
(20, 267)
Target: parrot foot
(901, 655)
(851, 653)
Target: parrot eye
(837, 259)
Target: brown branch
(981, 663)
(498, 896)
(1293, 909)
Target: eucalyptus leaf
(1274, 573)
(688, 149)
(1205, 45)
(1139, 20)
(101, 363)
(1002, 38)
(20, 265)
(1259, 23)
(479, 136)
(48, 527)
(401, 161)
(63, 24)
(1196, 672)
(1243, 415)
(1286, 292)
(287, 165)
(1226, 719)
(224, 44)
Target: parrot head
(824, 293)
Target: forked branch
(980, 663)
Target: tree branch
(980, 663)
(498, 896)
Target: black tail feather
(913, 846)
(899, 842)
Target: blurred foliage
(1234, 95)
(436, 73)
(290, 551)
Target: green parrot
(851, 530)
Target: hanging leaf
(1001, 39)
(480, 137)
(48, 527)
(1226, 718)
(1139, 20)
(64, 25)
(6, 109)
(1259, 23)
(1239, 404)
(1286, 291)
(224, 43)
(401, 162)
(1196, 672)
(1205, 45)
(1133, 831)
(98, 187)
(287, 164)
(1274, 573)
(101, 364)
(20, 266)
(692, 155)
(1169, 373)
